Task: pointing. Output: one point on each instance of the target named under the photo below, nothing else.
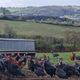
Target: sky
(25, 3)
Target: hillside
(29, 28)
(62, 15)
(46, 10)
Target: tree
(4, 11)
(72, 37)
(9, 32)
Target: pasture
(54, 60)
(32, 28)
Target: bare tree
(9, 32)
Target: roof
(13, 39)
(17, 44)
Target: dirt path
(32, 76)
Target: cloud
(20, 3)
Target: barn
(26, 46)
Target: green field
(29, 28)
(54, 60)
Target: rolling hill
(46, 11)
(32, 28)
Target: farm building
(17, 46)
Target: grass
(65, 56)
(29, 28)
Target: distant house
(17, 46)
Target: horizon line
(38, 6)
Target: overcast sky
(24, 3)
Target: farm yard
(39, 40)
(32, 76)
(29, 75)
